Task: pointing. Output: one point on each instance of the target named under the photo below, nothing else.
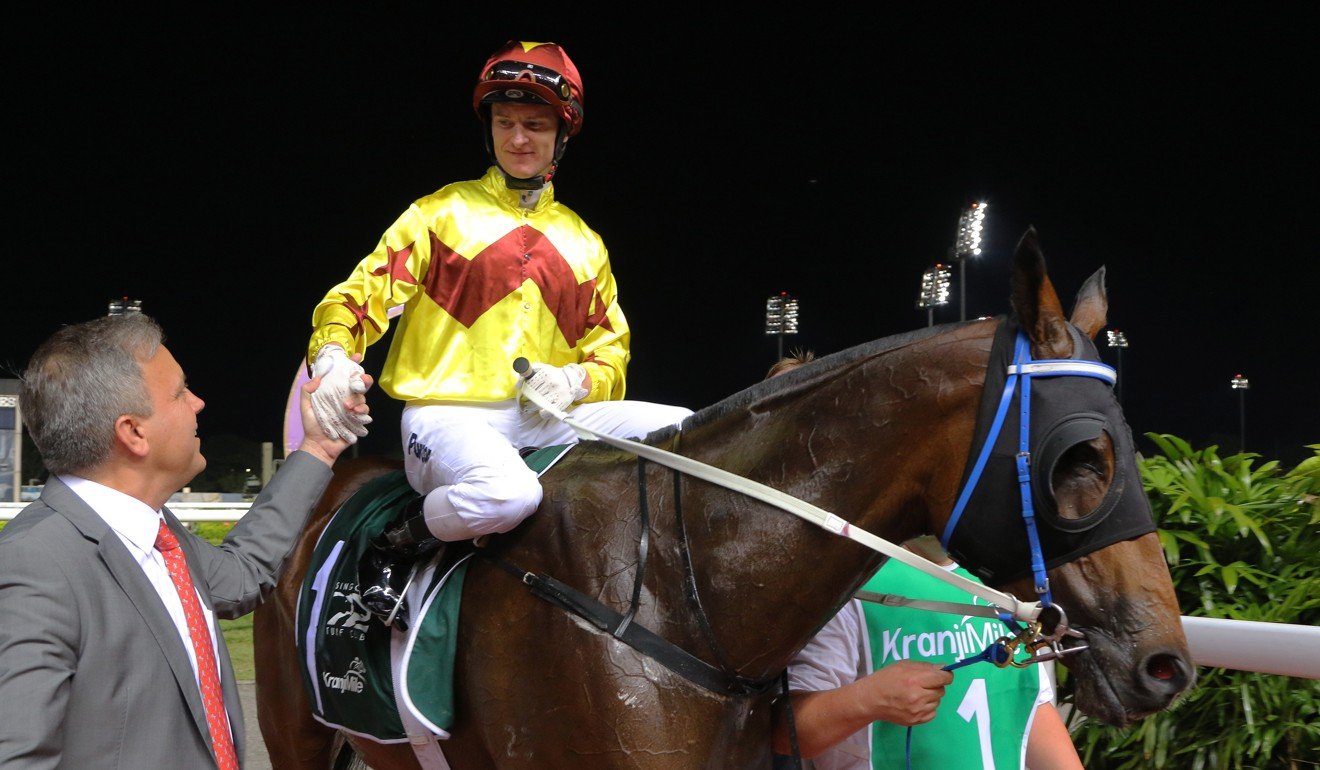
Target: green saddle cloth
(345, 654)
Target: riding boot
(385, 568)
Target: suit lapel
(133, 582)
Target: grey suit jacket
(93, 673)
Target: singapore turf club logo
(351, 617)
(353, 680)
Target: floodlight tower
(934, 290)
(124, 306)
(781, 317)
(1118, 341)
(1241, 385)
(967, 243)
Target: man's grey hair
(80, 381)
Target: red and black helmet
(532, 72)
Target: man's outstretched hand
(320, 442)
(341, 378)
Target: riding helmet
(535, 73)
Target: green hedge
(1243, 542)
(238, 632)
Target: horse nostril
(1162, 668)
(1170, 671)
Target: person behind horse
(486, 271)
(98, 665)
(1013, 702)
(842, 683)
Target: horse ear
(1036, 303)
(1092, 306)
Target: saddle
(348, 661)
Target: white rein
(1027, 612)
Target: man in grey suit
(97, 666)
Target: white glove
(340, 375)
(561, 386)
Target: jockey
(486, 271)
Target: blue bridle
(1024, 369)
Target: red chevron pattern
(467, 288)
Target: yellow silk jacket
(481, 281)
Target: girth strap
(690, 581)
(643, 541)
(634, 635)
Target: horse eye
(1082, 476)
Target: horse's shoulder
(365, 467)
(351, 473)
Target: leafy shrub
(213, 531)
(1242, 542)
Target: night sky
(228, 169)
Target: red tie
(213, 698)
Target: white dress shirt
(136, 525)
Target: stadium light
(781, 317)
(934, 290)
(967, 243)
(1241, 385)
(1118, 340)
(124, 306)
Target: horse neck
(865, 436)
(878, 439)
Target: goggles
(518, 71)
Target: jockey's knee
(475, 507)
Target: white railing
(187, 512)
(1282, 649)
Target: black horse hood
(990, 536)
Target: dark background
(228, 166)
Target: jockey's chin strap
(1010, 607)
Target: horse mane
(802, 377)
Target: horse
(882, 434)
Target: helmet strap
(528, 183)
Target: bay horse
(883, 435)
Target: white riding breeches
(464, 457)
